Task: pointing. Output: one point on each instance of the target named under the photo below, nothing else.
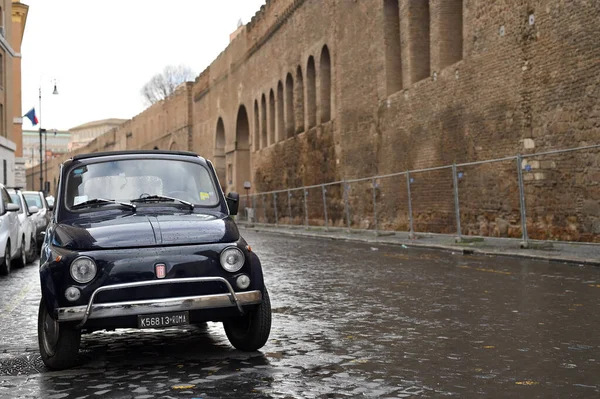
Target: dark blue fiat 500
(145, 240)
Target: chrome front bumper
(150, 306)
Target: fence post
(265, 209)
(254, 216)
(375, 205)
(305, 208)
(456, 204)
(411, 233)
(325, 204)
(346, 205)
(275, 207)
(525, 243)
(290, 206)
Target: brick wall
(343, 89)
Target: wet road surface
(349, 320)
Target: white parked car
(26, 241)
(42, 217)
(9, 231)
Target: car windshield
(33, 200)
(127, 180)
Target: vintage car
(41, 218)
(9, 231)
(145, 239)
(26, 237)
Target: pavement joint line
(460, 249)
(22, 294)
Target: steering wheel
(143, 195)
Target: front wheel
(21, 261)
(5, 265)
(251, 331)
(32, 249)
(58, 342)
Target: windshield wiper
(162, 198)
(102, 201)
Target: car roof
(133, 152)
(31, 192)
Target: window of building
(257, 143)
(1, 70)
(311, 93)
(2, 127)
(419, 39)
(325, 81)
(290, 123)
(393, 60)
(450, 39)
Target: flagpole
(41, 159)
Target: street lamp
(55, 92)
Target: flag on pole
(31, 116)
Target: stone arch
(219, 152)
(280, 119)
(271, 117)
(299, 105)
(311, 93)
(263, 121)
(290, 123)
(325, 83)
(257, 143)
(241, 155)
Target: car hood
(145, 231)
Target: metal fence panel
(360, 202)
(314, 206)
(392, 203)
(433, 201)
(562, 196)
(489, 199)
(336, 216)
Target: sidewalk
(561, 252)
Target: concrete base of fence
(575, 253)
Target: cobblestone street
(349, 320)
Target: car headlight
(232, 259)
(83, 269)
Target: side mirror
(233, 202)
(12, 207)
(33, 209)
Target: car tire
(32, 250)
(5, 266)
(250, 332)
(58, 342)
(21, 261)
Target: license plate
(164, 320)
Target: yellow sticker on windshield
(203, 196)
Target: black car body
(145, 239)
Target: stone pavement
(578, 253)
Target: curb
(442, 247)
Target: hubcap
(50, 329)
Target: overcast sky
(101, 52)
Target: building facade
(55, 143)
(19, 19)
(313, 91)
(81, 135)
(13, 16)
